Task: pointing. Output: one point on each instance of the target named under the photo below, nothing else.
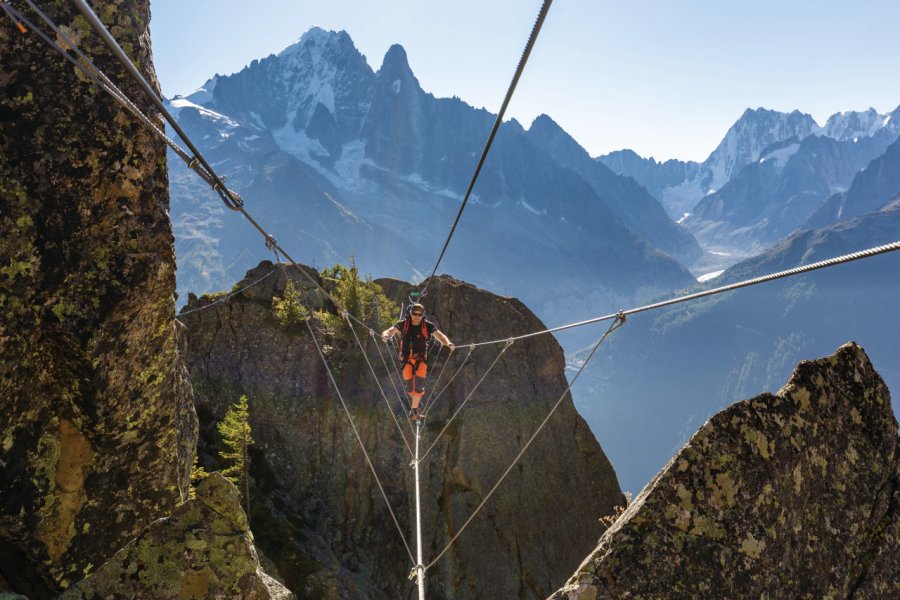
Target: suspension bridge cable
(359, 439)
(231, 200)
(460, 407)
(228, 296)
(620, 320)
(830, 262)
(378, 383)
(512, 88)
(90, 71)
(403, 405)
(434, 398)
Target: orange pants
(414, 371)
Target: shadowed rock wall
(96, 416)
(342, 542)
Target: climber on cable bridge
(416, 333)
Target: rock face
(204, 550)
(96, 417)
(793, 495)
(318, 512)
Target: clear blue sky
(663, 77)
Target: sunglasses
(417, 314)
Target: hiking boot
(414, 415)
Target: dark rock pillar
(97, 425)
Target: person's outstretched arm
(443, 339)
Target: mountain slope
(705, 354)
(628, 200)
(770, 198)
(387, 164)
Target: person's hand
(452, 346)
(385, 337)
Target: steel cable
(487, 147)
(615, 325)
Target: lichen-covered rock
(787, 496)
(204, 550)
(97, 427)
(319, 514)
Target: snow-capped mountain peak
(858, 124)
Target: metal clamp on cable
(414, 572)
(509, 342)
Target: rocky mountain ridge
(680, 185)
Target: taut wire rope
(463, 403)
(829, 262)
(359, 439)
(403, 404)
(227, 296)
(620, 320)
(487, 147)
(434, 398)
(378, 383)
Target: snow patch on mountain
(297, 143)
(781, 156)
(179, 103)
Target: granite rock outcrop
(792, 495)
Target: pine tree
(237, 437)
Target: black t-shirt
(413, 338)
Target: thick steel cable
(615, 325)
(399, 372)
(830, 262)
(231, 200)
(87, 67)
(497, 122)
(228, 296)
(460, 407)
(92, 72)
(359, 439)
(400, 395)
(378, 383)
(434, 398)
(428, 395)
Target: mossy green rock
(97, 426)
(787, 496)
(203, 550)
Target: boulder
(792, 495)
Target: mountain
(772, 197)
(792, 495)
(752, 133)
(707, 353)
(662, 179)
(872, 187)
(316, 510)
(629, 201)
(681, 185)
(348, 161)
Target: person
(416, 333)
